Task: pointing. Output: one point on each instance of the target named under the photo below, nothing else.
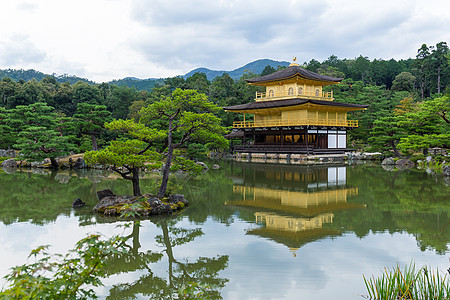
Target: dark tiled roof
(234, 134)
(291, 72)
(289, 102)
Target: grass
(411, 283)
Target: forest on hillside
(401, 96)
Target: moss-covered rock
(130, 206)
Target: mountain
(27, 75)
(138, 84)
(255, 67)
(145, 84)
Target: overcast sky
(110, 39)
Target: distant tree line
(27, 75)
(427, 74)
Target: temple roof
(294, 239)
(292, 71)
(234, 134)
(289, 102)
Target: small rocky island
(113, 205)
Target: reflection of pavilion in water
(293, 203)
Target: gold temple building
(293, 115)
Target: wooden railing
(304, 122)
(261, 96)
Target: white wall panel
(332, 141)
(342, 141)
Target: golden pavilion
(293, 115)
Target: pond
(254, 231)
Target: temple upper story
(294, 81)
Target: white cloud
(27, 6)
(110, 39)
(18, 49)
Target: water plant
(411, 283)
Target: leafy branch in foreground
(69, 276)
(411, 283)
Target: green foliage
(69, 276)
(422, 142)
(27, 75)
(138, 84)
(124, 154)
(187, 116)
(196, 151)
(427, 126)
(268, 70)
(90, 119)
(127, 156)
(6, 132)
(409, 284)
(136, 130)
(83, 92)
(193, 290)
(119, 100)
(38, 137)
(403, 82)
(180, 163)
(386, 134)
(438, 107)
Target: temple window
(317, 92)
(290, 91)
(270, 93)
(300, 91)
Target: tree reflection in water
(203, 271)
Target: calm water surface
(255, 231)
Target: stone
(205, 167)
(446, 170)
(7, 153)
(404, 163)
(154, 202)
(79, 164)
(62, 178)
(388, 167)
(161, 209)
(110, 205)
(176, 198)
(78, 203)
(9, 163)
(104, 193)
(215, 167)
(110, 212)
(41, 171)
(388, 161)
(111, 201)
(428, 159)
(37, 164)
(447, 180)
(9, 170)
